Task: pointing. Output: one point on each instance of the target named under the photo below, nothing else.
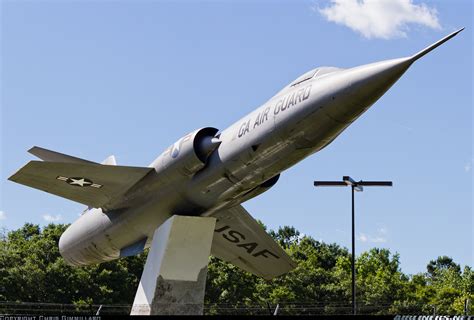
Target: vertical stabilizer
(110, 161)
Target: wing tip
(33, 148)
(18, 174)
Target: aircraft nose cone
(366, 84)
(371, 81)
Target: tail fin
(110, 161)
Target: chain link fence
(19, 308)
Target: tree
(229, 289)
(435, 268)
(285, 236)
(379, 277)
(32, 270)
(452, 286)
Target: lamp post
(355, 186)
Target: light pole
(355, 186)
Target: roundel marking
(79, 182)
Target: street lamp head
(348, 180)
(354, 184)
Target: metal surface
(206, 171)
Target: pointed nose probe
(367, 83)
(390, 71)
(434, 45)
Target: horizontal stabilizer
(53, 156)
(242, 241)
(94, 185)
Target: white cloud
(384, 19)
(468, 167)
(379, 238)
(51, 218)
(3, 215)
(362, 237)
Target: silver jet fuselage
(206, 170)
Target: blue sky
(129, 78)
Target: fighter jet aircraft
(210, 172)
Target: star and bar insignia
(79, 182)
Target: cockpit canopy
(315, 73)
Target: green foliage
(379, 277)
(436, 267)
(32, 270)
(285, 236)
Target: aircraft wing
(240, 240)
(94, 185)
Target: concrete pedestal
(174, 277)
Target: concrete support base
(174, 277)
